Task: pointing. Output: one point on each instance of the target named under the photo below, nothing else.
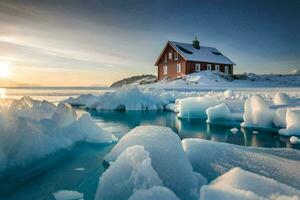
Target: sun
(5, 69)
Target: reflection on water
(121, 122)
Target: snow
(204, 54)
(130, 172)
(167, 157)
(234, 130)
(243, 185)
(124, 98)
(228, 94)
(292, 123)
(212, 159)
(257, 113)
(46, 130)
(221, 114)
(281, 99)
(68, 195)
(280, 117)
(294, 140)
(157, 192)
(194, 107)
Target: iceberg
(243, 185)
(167, 157)
(220, 114)
(46, 130)
(257, 113)
(157, 192)
(122, 99)
(292, 123)
(194, 107)
(212, 159)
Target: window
(165, 70)
(170, 55)
(166, 58)
(226, 70)
(217, 67)
(209, 67)
(198, 67)
(175, 55)
(178, 68)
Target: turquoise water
(79, 168)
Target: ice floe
(121, 99)
(194, 107)
(238, 184)
(281, 99)
(292, 123)
(68, 195)
(213, 159)
(46, 129)
(167, 158)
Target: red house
(177, 59)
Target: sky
(96, 42)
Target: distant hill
(135, 80)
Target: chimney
(196, 43)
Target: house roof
(204, 54)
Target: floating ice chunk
(228, 94)
(154, 193)
(281, 99)
(221, 114)
(68, 195)
(292, 123)
(280, 117)
(130, 172)
(167, 156)
(243, 185)
(172, 107)
(257, 113)
(24, 139)
(194, 107)
(79, 169)
(255, 132)
(294, 140)
(234, 130)
(122, 99)
(212, 159)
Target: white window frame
(217, 67)
(178, 68)
(165, 69)
(226, 69)
(198, 67)
(208, 67)
(175, 55)
(170, 55)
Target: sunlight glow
(2, 93)
(4, 69)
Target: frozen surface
(243, 185)
(167, 157)
(212, 159)
(130, 172)
(68, 195)
(121, 99)
(292, 123)
(46, 129)
(295, 140)
(194, 107)
(159, 193)
(257, 113)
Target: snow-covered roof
(204, 54)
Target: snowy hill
(211, 79)
(135, 80)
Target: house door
(226, 70)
